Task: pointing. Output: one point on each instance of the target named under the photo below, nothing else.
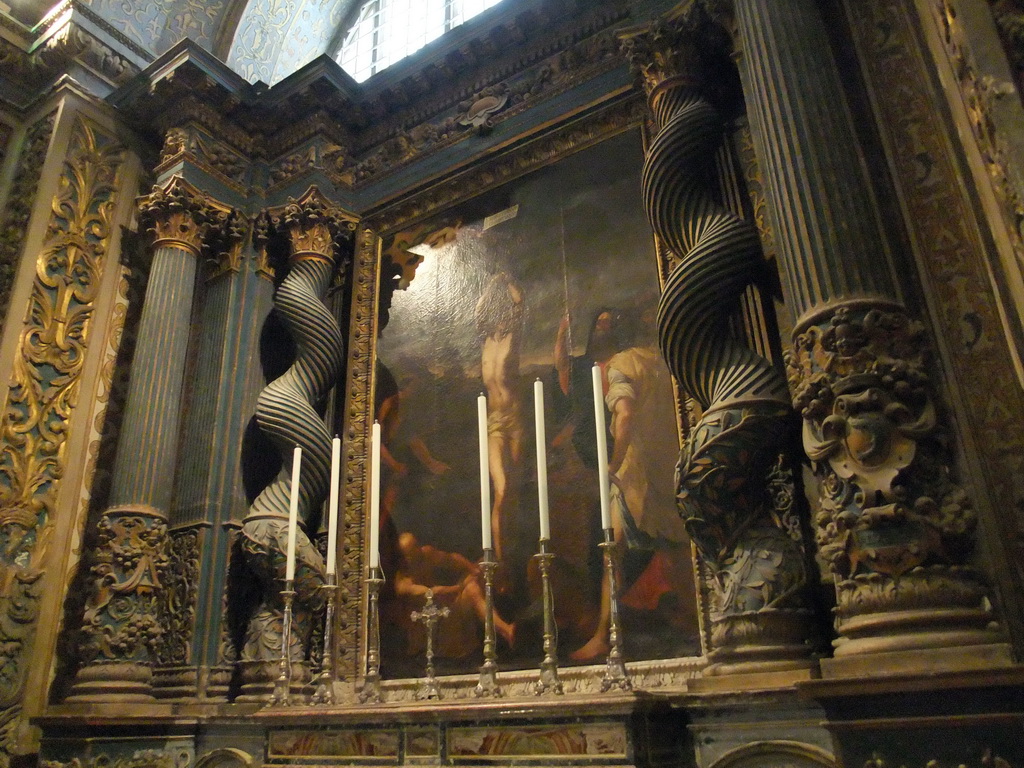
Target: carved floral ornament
(181, 216)
(861, 384)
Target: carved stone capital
(179, 215)
(675, 50)
(314, 225)
(226, 255)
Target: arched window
(389, 30)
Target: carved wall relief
(19, 203)
(44, 386)
(893, 526)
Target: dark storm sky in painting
(482, 314)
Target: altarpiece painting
(538, 279)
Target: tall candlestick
(602, 448)
(375, 497)
(293, 513)
(542, 459)
(332, 510)
(485, 474)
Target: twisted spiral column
(286, 412)
(735, 486)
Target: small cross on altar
(430, 616)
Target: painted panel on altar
(538, 279)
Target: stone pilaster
(892, 524)
(736, 489)
(209, 494)
(319, 236)
(121, 626)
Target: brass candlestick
(430, 616)
(324, 693)
(488, 684)
(370, 692)
(548, 681)
(615, 670)
(282, 695)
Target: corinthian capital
(180, 215)
(314, 225)
(678, 48)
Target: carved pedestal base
(175, 682)
(927, 607)
(110, 681)
(259, 677)
(760, 641)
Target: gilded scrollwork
(893, 526)
(179, 597)
(19, 203)
(181, 216)
(44, 385)
(128, 574)
(170, 757)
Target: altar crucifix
(430, 616)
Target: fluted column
(319, 235)
(735, 487)
(892, 524)
(121, 625)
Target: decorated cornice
(319, 120)
(71, 34)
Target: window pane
(389, 30)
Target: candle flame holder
(370, 692)
(549, 681)
(488, 684)
(615, 669)
(324, 691)
(282, 695)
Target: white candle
(375, 497)
(485, 474)
(542, 459)
(332, 509)
(293, 514)
(602, 448)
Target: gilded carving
(226, 251)
(489, 106)
(615, 119)
(893, 527)
(981, 94)
(142, 758)
(178, 599)
(363, 325)
(44, 387)
(128, 573)
(18, 207)
(952, 260)
(987, 758)
(180, 216)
